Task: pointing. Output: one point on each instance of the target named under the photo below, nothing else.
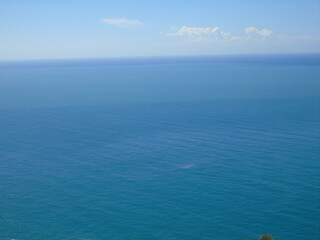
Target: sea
(160, 148)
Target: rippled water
(175, 151)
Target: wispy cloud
(203, 34)
(120, 22)
(187, 31)
(200, 34)
(261, 32)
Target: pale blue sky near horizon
(61, 29)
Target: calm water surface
(170, 150)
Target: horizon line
(292, 59)
(158, 56)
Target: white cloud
(250, 34)
(215, 34)
(250, 29)
(191, 31)
(261, 32)
(120, 22)
(201, 34)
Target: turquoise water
(160, 149)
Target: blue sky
(45, 29)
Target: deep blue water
(155, 149)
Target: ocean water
(160, 148)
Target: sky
(59, 29)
